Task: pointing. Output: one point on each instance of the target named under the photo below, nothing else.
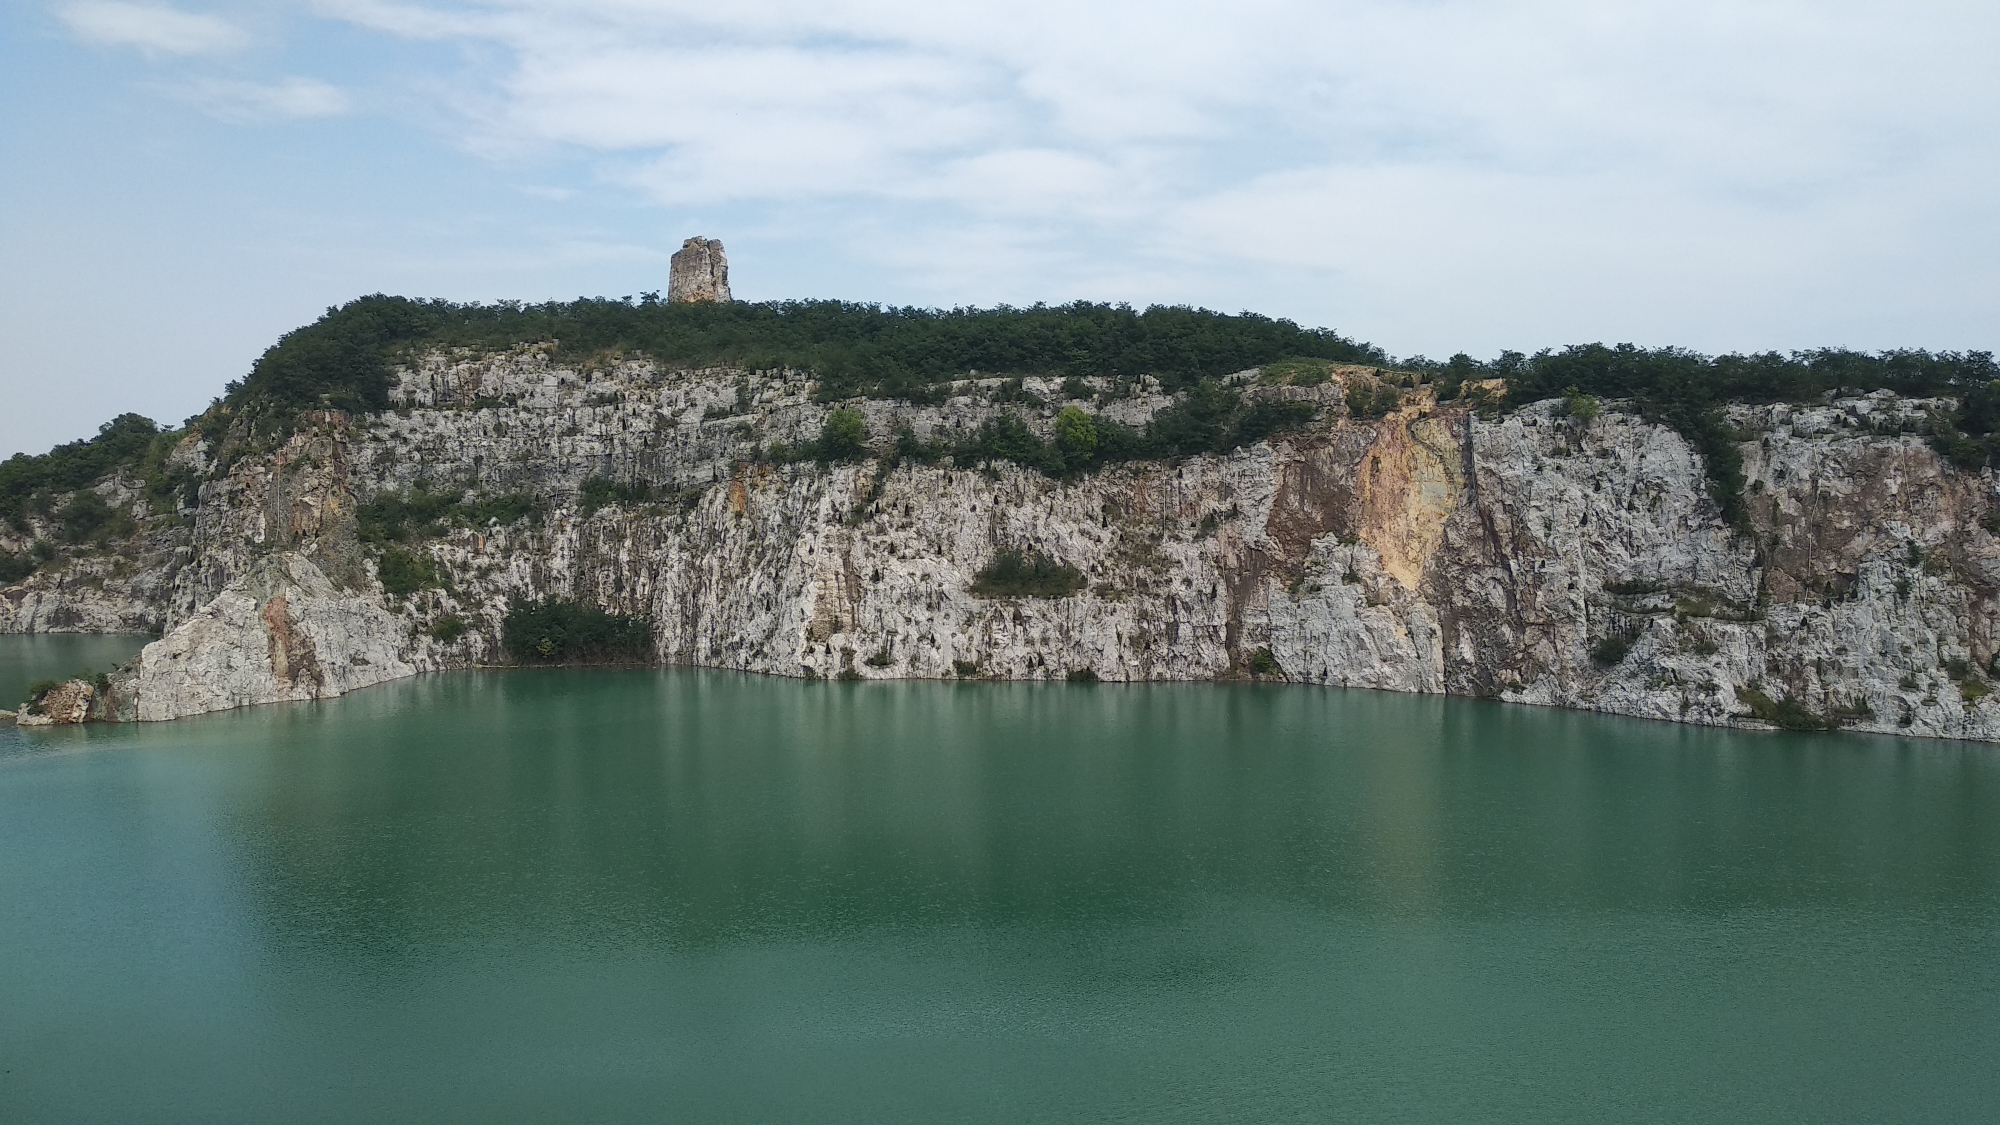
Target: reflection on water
(511, 896)
(58, 656)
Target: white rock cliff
(1528, 556)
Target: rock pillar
(700, 272)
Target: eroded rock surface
(699, 271)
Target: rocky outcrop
(1529, 556)
(699, 271)
(280, 632)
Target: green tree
(1076, 435)
(844, 436)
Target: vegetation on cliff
(1689, 392)
(560, 632)
(1026, 574)
(128, 441)
(403, 517)
(343, 360)
(1209, 418)
(49, 488)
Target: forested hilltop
(345, 360)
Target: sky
(182, 183)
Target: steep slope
(1533, 556)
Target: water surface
(58, 656)
(690, 896)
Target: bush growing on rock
(38, 691)
(1026, 574)
(402, 517)
(843, 436)
(559, 632)
(84, 515)
(1609, 651)
(1076, 436)
(1368, 398)
(403, 573)
(603, 492)
(1786, 714)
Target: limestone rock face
(699, 272)
(1530, 556)
(280, 632)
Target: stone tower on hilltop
(700, 272)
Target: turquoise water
(58, 656)
(685, 896)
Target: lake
(58, 656)
(650, 895)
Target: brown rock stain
(1410, 481)
(293, 658)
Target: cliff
(1532, 555)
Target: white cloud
(1516, 169)
(152, 28)
(255, 102)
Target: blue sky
(186, 181)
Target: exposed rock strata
(1529, 557)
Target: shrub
(559, 632)
(1609, 651)
(15, 567)
(1297, 372)
(1367, 398)
(1582, 407)
(843, 436)
(881, 658)
(1263, 419)
(1631, 588)
(1076, 436)
(403, 573)
(1026, 574)
(964, 669)
(1081, 676)
(448, 629)
(1262, 663)
(1786, 714)
(397, 517)
(603, 492)
(83, 516)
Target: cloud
(256, 102)
(154, 29)
(1513, 167)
